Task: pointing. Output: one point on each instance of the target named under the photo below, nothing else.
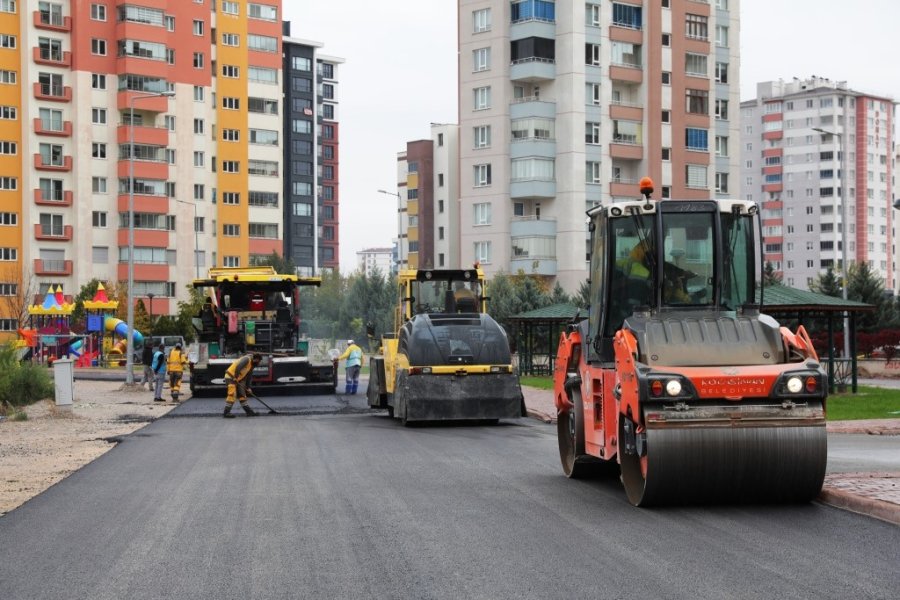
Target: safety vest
(177, 360)
(240, 369)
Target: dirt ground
(53, 443)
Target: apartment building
(806, 145)
(427, 200)
(566, 104)
(12, 228)
(167, 109)
(311, 155)
(368, 260)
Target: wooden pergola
(537, 331)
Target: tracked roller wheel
(719, 464)
(570, 434)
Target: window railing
(51, 18)
(530, 59)
(51, 54)
(626, 139)
(52, 89)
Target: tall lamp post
(150, 297)
(400, 257)
(129, 358)
(196, 235)
(839, 144)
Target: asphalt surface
(333, 501)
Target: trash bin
(64, 381)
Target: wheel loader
(677, 379)
(448, 360)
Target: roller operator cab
(677, 375)
(447, 359)
(256, 309)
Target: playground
(50, 336)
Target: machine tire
(373, 390)
(570, 434)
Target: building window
(697, 27)
(481, 20)
(482, 137)
(98, 219)
(98, 150)
(592, 171)
(230, 103)
(592, 133)
(722, 110)
(98, 47)
(592, 54)
(721, 72)
(482, 175)
(231, 230)
(722, 183)
(231, 166)
(301, 63)
(231, 71)
(98, 12)
(98, 185)
(721, 145)
(198, 126)
(98, 116)
(481, 213)
(696, 64)
(231, 39)
(481, 59)
(482, 98)
(483, 252)
(696, 139)
(696, 176)
(697, 102)
(722, 36)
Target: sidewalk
(873, 494)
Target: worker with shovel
(237, 378)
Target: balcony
(47, 234)
(52, 57)
(62, 165)
(629, 73)
(532, 27)
(52, 267)
(533, 245)
(52, 92)
(143, 169)
(65, 199)
(42, 127)
(51, 22)
(150, 136)
(525, 147)
(532, 69)
(628, 112)
(532, 106)
(150, 104)
(537, 189)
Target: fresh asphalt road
(329, 500)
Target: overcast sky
(400, 76)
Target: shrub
(22, 384)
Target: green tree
(770, 275)
(864, 285)
(582, 299)
(827, 283)
(282, 265)
(187, 310)
(559, 295)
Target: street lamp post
(400, 257)
(129, 343)
(196, 235)
(151, 296)
(839, 144)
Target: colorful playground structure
(49, 335)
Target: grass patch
(869, 403)
(543, 383)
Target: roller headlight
(673, 387)
(794, 385)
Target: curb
(868, 507)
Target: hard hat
(349, 342)
(178, 345)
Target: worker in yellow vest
(175, 365)
(237, 378)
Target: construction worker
(159, 372)
(237, 378)
(177, 361)
(354, 355)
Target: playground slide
(120, 328)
